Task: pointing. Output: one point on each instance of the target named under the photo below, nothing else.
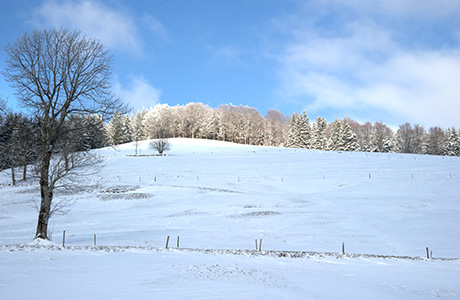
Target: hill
(222, 196)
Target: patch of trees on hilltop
(243, 124)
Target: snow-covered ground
(221, 196)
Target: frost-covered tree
(159, 122)
(409, 139)
(304, 131)
(138, 128)
(364, 134)
(319, 139)
(382, 137)
(293, 133)
(349, 138)
(334, 140)
(275, 123)
(342, 137)
(434, 141)
(453, 143)
(116, 130)
(299, 135)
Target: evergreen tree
(453, 143)
(138, 127)
(304, 131)
(299, 134)
(116, 130)
(342, 138)
(95, 133)
(349, 141)
(319, 140)
(127, 130)
(293, 134)
(334, 141)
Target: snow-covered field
(221, 196)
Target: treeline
(242, 124)
(349, 135)
(238, 124)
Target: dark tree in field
(58, 73)
(160, 145)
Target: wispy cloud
(117, 29)
(138, 93)
(358, 63)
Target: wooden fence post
(177, 241)
(167, 242)
(63, 238)
(343, 248)
(94, 239)
(260, 245)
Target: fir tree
(334, 140)
(293, 133)
(319, 140)
(304, 130)
(349, 141)
(453, 143)
(116, 130)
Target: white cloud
(361, 67)
(115, 28)
(138, 93)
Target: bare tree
(160, 145)
(57, 73)
(275, 128)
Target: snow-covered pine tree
(127, 128)
(116, 130)
(319, 140)
(137, 126)
(453, 143)
(96, 133)
(293, 133)
(349, 141)
(304, 131)
(341, 137)
(334, 140)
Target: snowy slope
(217, 195)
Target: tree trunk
(24, 173)
(46, 193)
(13, 179)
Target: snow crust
(223, 196)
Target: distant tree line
(349, 135)
(244, 125)
(238, 124)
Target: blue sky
(392, 61)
